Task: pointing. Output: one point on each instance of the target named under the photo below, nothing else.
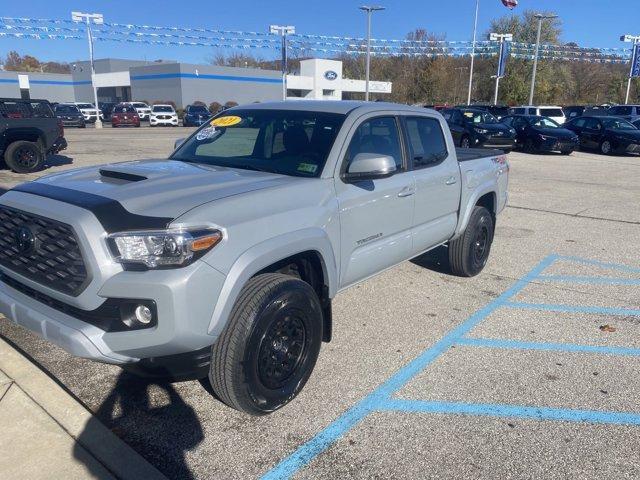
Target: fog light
(143, 314)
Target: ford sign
(330, 75)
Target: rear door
(455, 124)
(591, 133)
(375, 215)
(437, 177)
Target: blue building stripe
(231, 78)
(573, 308)
(48, 82)
(8, 80)
(553, 347)
(591, 280)
(512, 411)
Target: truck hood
(164, 188)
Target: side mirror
(370, 166)
(178, 142)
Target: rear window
(162, 108)
(67, 109)
(551, 112)
(140, 105)
(198, 109)
(84, 105)
(25, 109)
(124, 109)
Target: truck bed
(467, 154)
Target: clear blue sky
(588, 22)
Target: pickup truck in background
(29, 131)
(220, 262)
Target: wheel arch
(487, 198)
(28, 134)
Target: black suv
(473, 127)
(497, 111)
(195, 115)
(70, 115)
(29, 131)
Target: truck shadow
(436, 260)
(57, 161)
(152, 418)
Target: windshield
(543, 122)
(617, 124)
(198, 109)
(140, 105)
(85, 105)
(475, 116)
(288, 142)
(163, 108)
(551, 112)
(67, 109)
(124, 109)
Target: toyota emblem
(24, 239)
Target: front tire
(469, 252)
(269, 347)
(605, 147)
(465, 142)
(24, 157)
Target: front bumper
(555, 145)
(164, 121)
(498, 142)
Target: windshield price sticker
(227, 121)
(307, 168)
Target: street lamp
(98, 19)
(635, 39)
(473, 51)
(369, 10)
(540, 17)
(283, 31)
(501, 37)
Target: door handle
(406, 192)
(451, 181)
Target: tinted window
(140, 105)
(66, 109)
(617, 124)
(475, 116)
(507, 121)
(551, 112)
(197, 109)
(499, 111)
(520, 122)
(519, 111)
(162, 108)
(621, 110)
(592, 123)
(543, 122)
(533, 111)
(379, 136)
(426, 141)
(84, 105)
(580, 122)
(447, 114)
(289, 142)
(124, 109)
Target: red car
(124, 115)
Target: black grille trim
(54, 260)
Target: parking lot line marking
(325, 438)
(593, 280)
(597, 263)
(554, 347)
(517, 411)
(549, 307)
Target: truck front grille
(43, 250)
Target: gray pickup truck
(221, 261)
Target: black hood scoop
(123, 176)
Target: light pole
(283, 31)
(369, 10)
(473, 51)
(540, 17)
(634, 52)
(98, 19)
(502, 37)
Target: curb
(116, 456)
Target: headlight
(163, 248)
(482, 131)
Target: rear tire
(267, 351)
(605, 147)
(469, 252)
(566, 152)
(24, 157)
(465, 142)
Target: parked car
(124, 115)
(221, 261)
(105, 110)
(497, 111)
(70, 115)
(541, 134)
(29, 131)
(607, 134)
(553, 112)
(195, 115)
(627, 112)
(438, 106)
(584, 110)
(472, 127)
(89, 111)
(163, 115)
(143, 110)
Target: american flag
(510, 4)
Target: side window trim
(409, 154)
(354, 129)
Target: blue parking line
(592, 280)
(512, 411)
(549, 307)
(372, 402)
(553, 347)
(597, 263)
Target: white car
(551, 111)
(88, 110)
(163, 115)
(143, 110)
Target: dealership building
(123, 80)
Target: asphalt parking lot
(529, 370)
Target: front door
(375, 215)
